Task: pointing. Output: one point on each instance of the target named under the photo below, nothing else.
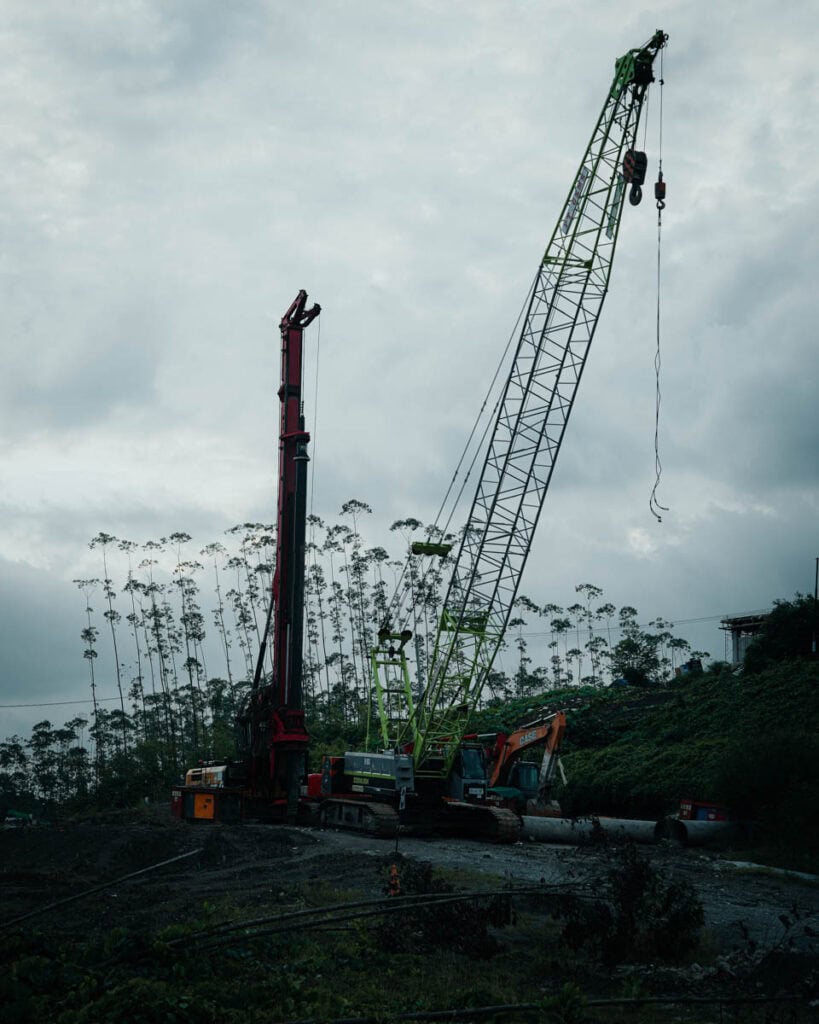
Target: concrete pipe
(701, 833)
(581, 831)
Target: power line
(58, 703)
(673, 623)
(615, 628)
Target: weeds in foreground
(427, 962)
(642, 915)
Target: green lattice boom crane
(562, 315)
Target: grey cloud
(174, 173)
(40, 622)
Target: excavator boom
(548, 732)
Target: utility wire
(536, 1011)
(59, 703)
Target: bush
(644, 917)
(461, 927)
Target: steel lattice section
(534, 410)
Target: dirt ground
(41, 865)
(258, 867)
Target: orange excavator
(523, 785)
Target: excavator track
(479, 821)
(374, 819)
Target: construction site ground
(761, 932)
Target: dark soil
(761, 933)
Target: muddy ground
(749, 917)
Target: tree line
(179, 630)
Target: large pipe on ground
(583, 831)
(692, 832)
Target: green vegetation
(170, 636)
(473, 953)
(645, 917)
(746, 738)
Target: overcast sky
(173, 173)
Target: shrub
(644, 917)
(462, 927)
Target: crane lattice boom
(563, 313)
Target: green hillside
(746, 738)
(738, 739)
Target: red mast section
(278, 737)
(288, 580)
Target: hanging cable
(646, 110)
(513, 334)
(659, 195)
(312, 554)
(315, 428)
(396, 608)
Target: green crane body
(563, 312)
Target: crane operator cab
(468, 779)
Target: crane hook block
(659, 192)
(635, 163)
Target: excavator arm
(549, 732)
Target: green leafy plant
(643, 917)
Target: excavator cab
(520, 787)
(524, 778)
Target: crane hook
(659, 192)
(634, 172)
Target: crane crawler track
(372, 818)
(479, 821)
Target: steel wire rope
(512, 335)
(653, 502)
(647, 107)
(314, 437)
(315, 427)
(221, 935)
(396, 605)
(636, 101)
